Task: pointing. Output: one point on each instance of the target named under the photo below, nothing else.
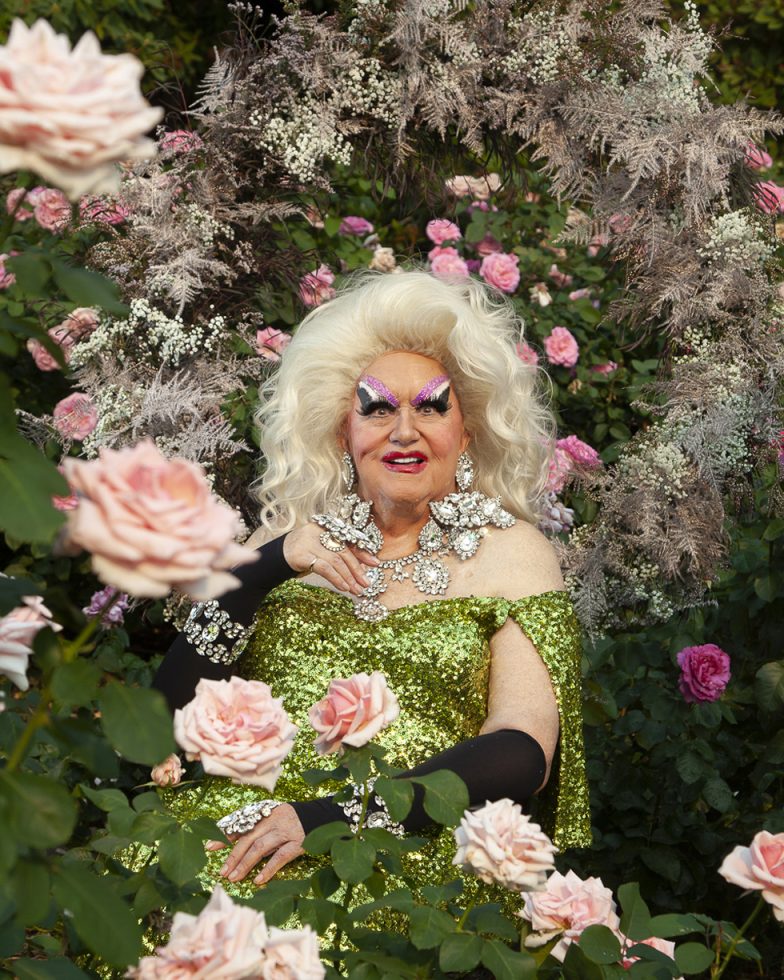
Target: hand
(278, 837)
(168, 772)
(304, 552)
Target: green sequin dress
(436, 658)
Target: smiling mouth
(405, 462)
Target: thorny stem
(465, 915)
(715, 974)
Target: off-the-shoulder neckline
(427, 602)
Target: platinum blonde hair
(463, 325)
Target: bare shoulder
(260, 537)
(520, 561)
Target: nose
(405, 431)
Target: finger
(283, 856)
(356, 568)
(258, 849)
(329, 570)
(214, 845)
(366, 557)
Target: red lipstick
(400, 462)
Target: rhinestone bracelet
(245, 819)
(204, 637)
(374, 818)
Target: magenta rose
(580, 451)
(500, 269)
(759, 867)
(270, 343)
(487, 246)
(561, 347)
(440, 230)
(235, 728)
(561, 466)
(152, 524)
(353, 225)
(76, 416)
(353, 712)
(449, 267)
(316, 287)
(705, 672)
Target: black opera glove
(504, 764)
(217, 631)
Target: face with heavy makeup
(405, 431)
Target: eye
(435, 406)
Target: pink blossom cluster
(316, 287)
(570, 454)
(500, 269)
(441, 230)
(77, 325)
(49, 207)
(705, 672)
(6, 278)
(758, 158)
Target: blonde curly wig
(470, 330)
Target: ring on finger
(331, 543)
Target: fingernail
(234, 876)
(223, 870)
(258, 880)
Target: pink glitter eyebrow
(380, 388)
(429, 388)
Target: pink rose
(540, 294)
(352, 225)
(237, 729)
(757, 158)
(168, 773)
(597, 242)
(759, 867)
(527, 354)
(488, 245)
(665, 946)
(449, 266)
(502, 845)
(76, 416)
(568, 905)
(18, 629)
(580, 451)
(79, 323)
(580, 294)
(6, 278)
(223, 942)
(500, 269)
(180, 141)
(152, 524)
(316, 286)
(607, 368)
(560, 468)
(440, 230)
(292, 954)
(70, 115)
(480, 188)
(270, 343)
(560, 279)
(14, 203)
(561, 347)
(619, 223)
(769, 197)
(441, 250)
(52, 210)
(705, 672)
(353, 712)
(102, 210)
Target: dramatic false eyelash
(369, 407)
(370, 389)
(440, 404)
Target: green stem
(465, 915)
(738, 936)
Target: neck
(400, 523)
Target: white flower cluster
(205, 225)
(737, 238)
(117, 407)
(149, 334)
(367, 90)
(660, 466)
(694, 345)
(675, 63)
(545, 47)
(303, 141)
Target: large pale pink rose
(561, 347)
(759, 867)
(18, 629)
(70, 115)
(52, 210)
(502, 845)
(449, 267)
(152, 524)
(580, 451)
(292, 954)
(705, 672)
(479, 188)
(316, 286)
(500, 269)
(270, 343)
(76, 416)
(441, 230)
(568, 905)
(353, 712)
(236, 728)
(223, 942)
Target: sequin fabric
(436, 658)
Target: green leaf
(577, 966)
(691, 767)
(505, 963)
(12, 590)
(105, 799)
(137, 722)
(600, 944)
(101, 919)
(693, 957)
(31, 885)
(39, 811)
(12, 937)
(446, 796)
(674, 924)
(488, 918)
(315, 776)
(769, 686)
(181, 855)
(32, 273)
(276, 900)
(86, 288)
(766, 587)
(353, 859)
(460, 952)
(428, 926)
(717, 794)
(76, 683)
(635, 916)
(398, 794)
(331, 225)
(320, 840)
(150, 826)
(436, 894)
(54, 968)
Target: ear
(465, 440)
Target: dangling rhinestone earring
(349, 473)
(464, 475)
